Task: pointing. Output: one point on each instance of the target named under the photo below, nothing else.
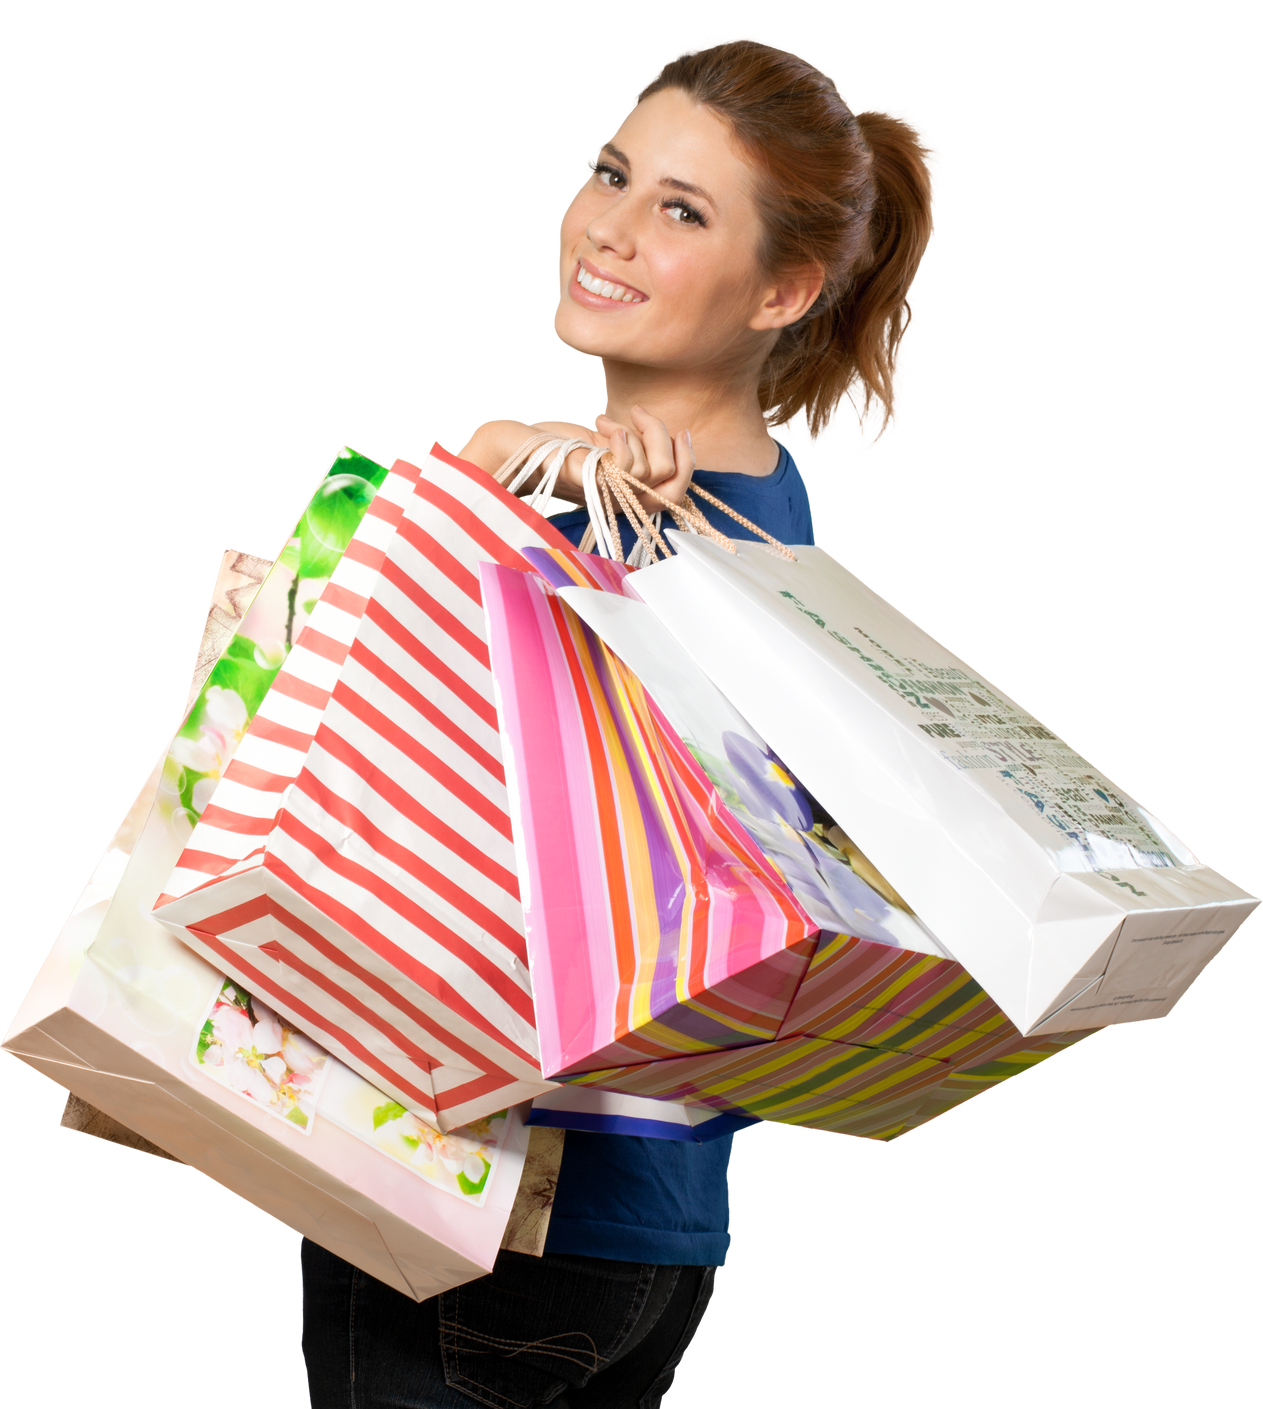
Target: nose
(612, 230)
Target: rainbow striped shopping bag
(655, 927)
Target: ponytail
(847, 194)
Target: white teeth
(615, 292)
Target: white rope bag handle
(606, 489)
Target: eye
(678, 209)
(608, 175)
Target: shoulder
(494, 441)
(800, 527)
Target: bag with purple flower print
(1069, 902)
(695, 937)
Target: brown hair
(850, 194)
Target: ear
(788, 299)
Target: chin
(570, 333)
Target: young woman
(741, 253)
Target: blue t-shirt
(626, 1197)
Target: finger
(624, 458)
(677, 486)
(659, 448)
(631, 458)
(685, 460)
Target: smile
(603, 288)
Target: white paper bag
(1061, 895)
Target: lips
(608, 278)
(593, 289)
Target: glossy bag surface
(884, 1030)
(655, 927)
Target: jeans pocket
(537, 1326)
(704, 1287)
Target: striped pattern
(571, 569)
(656, 926)
(381, 910)
(838, 1086)
(857, 990)
(237, 822)
(876, 1041)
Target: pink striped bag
(361, 876)
(656, 927)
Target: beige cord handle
(614, 483)
(522, 453)
(608, 489)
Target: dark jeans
(570, 1332)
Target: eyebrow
(674, 183)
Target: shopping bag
(655, 927)
(234, 827)
(248, 633)
(378, 902)
(1064, 898)
(134, 1023)
(615, 1113)
(882, 1032)
(246, 741)
(847, 1088)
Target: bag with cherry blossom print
(183, 1060)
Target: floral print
(777, 812)
(460, 1159)
(221, 728)
(241, 677)
(246, 1047)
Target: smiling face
(659, 250)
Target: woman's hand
(646, 449)
(650, 452)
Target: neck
(720, 413)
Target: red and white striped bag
(375, 900)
